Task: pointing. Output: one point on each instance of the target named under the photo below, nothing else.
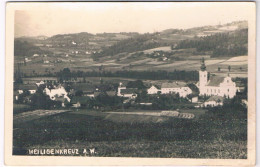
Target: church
(216, 85)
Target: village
(209, 91)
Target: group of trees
(221, 44)
(151, 75)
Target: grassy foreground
(177, 138)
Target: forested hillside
(221, 44)
(23, 49)
(137, 43)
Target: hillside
(24, 49)
(221, 44)
(168, 50)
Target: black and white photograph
(168, 80)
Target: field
(20, 108)
(178, 138)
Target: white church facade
(216, 85)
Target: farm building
(215, 86)
(153, 90)
(213, 101)
(176, 87)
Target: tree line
(66, 74)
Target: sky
(35, 19)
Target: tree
(218, 68)
(136, 84)
(229, 68)
(79, 93)
(39, 100)
(64, 75)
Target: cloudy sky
(48, 19)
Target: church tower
(203, 77)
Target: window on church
(228, 90)
(215, 90)
(218, 91)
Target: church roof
(215, 80)
(174, 85)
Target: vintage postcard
(130, 83)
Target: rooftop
(215, 80)
(129, 91)
(174, 85)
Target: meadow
(205, 137)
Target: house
(20, 91)
(213, 101)
(76, 105)
(62, 100)
(59, 91)
(79, 101)
(35, 55)
(46, 61)
(195, 99)
(153, 90)
(16, 95)
(32, 91)
(129, 93)
(244, 102)
(176, 87)
(216, 85)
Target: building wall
(183, 91)
(152, 90)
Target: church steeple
(203, 66)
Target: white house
(216, 85)
(153, 90)
(176, 87)
(213, 101)
(57, 92)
